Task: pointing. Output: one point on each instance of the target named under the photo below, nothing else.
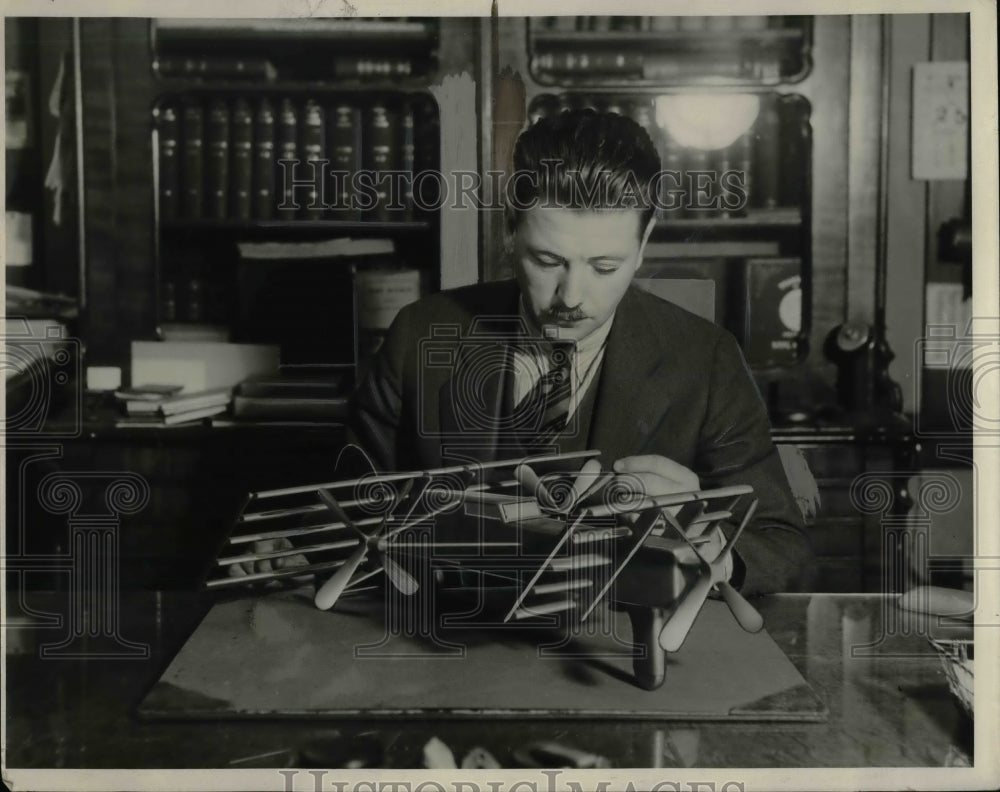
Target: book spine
(344, 147)
(363, 68)
(591, 63)
(381, 154)
(286, 170)
(674, 67)
(664, 24)
(217, 159)
(626, 23)
(193, 162)
(426, 153)
(690, 24)
(313, 170)
(697, 182)
(722, 162)
(242, 159)
(263, 161)
(564, 24)
(194, 415)
(217, 68)
(673, 186)
(194, 402)
(408, 155)
(142, 407)
(169, 163)
(720, 24)
(751, 23)
(744, 164)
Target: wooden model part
(558, 532)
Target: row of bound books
(281, 157)
(661, 24)
(258, 69)
(763, 168)
(748, 63)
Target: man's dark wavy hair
(583, 159)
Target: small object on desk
(957, 660)
(152, 392)
(939, 601)
(280, 757)
(553, 754)
(186, 402)
(200, 365)
(335, 750)
(479, 759)
(438, 756)
(103, 378)
(194, 415)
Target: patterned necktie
(544, 412)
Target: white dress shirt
(531, 361)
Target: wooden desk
(888, 705)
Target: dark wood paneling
(117, 95)
(99, 164)
(134, 91)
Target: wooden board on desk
(280, 656)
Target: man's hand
(656, 475)
(268, 564)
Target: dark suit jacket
(671, 384)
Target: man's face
(574, 266)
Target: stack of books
(166, 405)
(316, 398)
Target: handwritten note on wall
(941, 120)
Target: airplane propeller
(711, 574)
(328, 594)
(587, 480)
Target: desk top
(279, 655)
(884, 688)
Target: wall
(916, 208)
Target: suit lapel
(471, 400)
(634, 391)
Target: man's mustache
(565, 314)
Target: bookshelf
(262, 132)
(716, 95)
(658, 52)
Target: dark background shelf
(665, 41)
(284, 228)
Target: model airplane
(549, 534)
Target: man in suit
(665, 396)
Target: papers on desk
(168, 410)
(200, 365)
